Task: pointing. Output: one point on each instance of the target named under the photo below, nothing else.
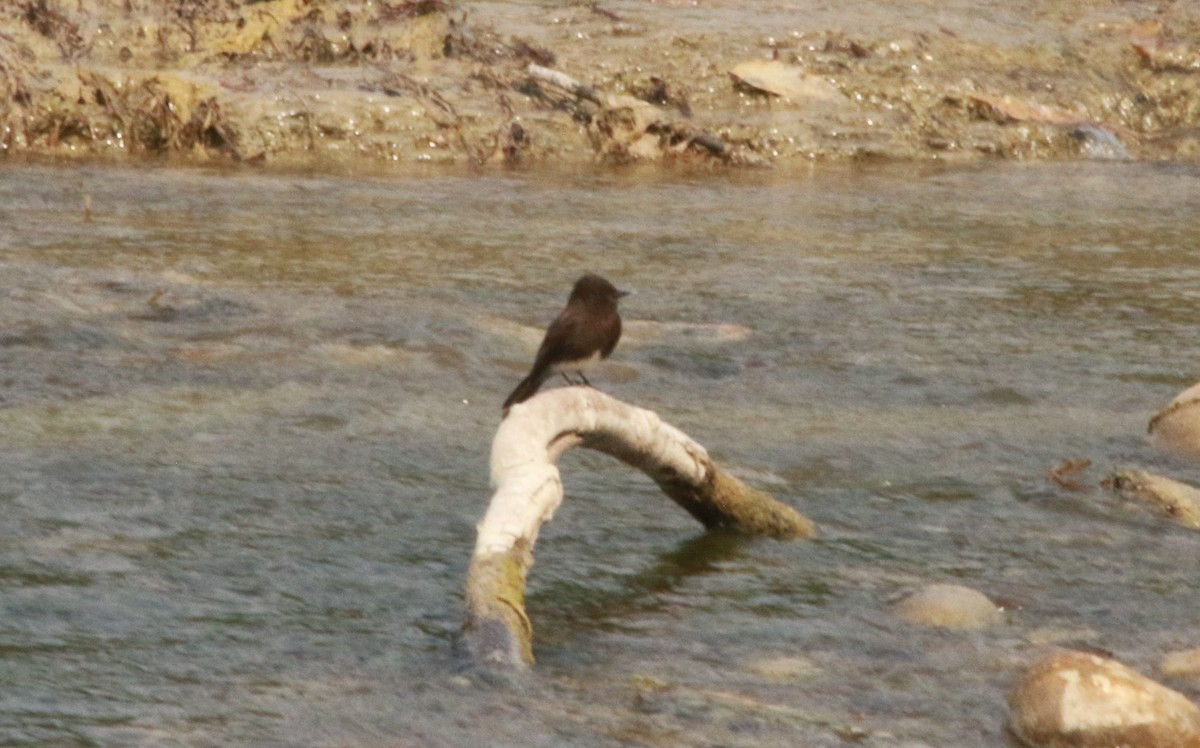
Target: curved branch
(528, 490)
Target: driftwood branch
(631, 118)
(566, 83)
(528, 490)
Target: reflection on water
(244, 423)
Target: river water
(245, 422)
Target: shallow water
(244, 424)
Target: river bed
(245, 421)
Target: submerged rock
(1081, 700)
(948, 606)
(1178, 501)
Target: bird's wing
(567, 339)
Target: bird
(585, 332)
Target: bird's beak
(623, 294)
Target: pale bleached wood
(527, 491)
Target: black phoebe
(584, 332)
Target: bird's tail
(525, 390)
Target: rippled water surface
(245, 419)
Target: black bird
(585, 331)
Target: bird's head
(592, 288)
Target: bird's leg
(582, 379)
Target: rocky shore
(312, 82)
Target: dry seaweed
(390, 12)
(54, 25)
